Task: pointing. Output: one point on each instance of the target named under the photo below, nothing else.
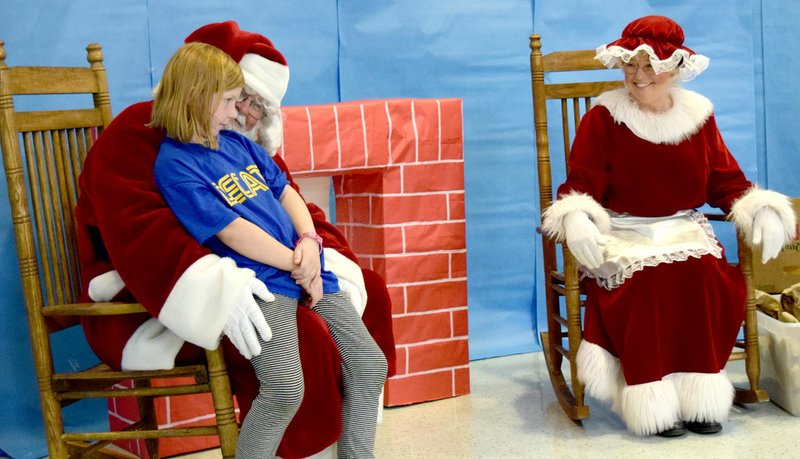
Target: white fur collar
(689, 112)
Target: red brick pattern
(398, 176)
(183, 411)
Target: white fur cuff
(202, 299)
(650, 408)
(351, 278)
(745, 208)
(105, 286)
(704, 397)
(553, 216)
(151, 347)
(600, 372)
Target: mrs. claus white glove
(246, 318)
(769, 232)
(583, 239)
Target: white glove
(768, 231)
(246, 318)
(583, 239)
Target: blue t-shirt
(208, 189)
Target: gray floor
(512, 413)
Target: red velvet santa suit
(125, 225)
(669, 328)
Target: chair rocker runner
(43, 152)
(562, 281)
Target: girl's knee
(283, 396)
(371, 364)
(380, 362)
(293, 395)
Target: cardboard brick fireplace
(398, 175)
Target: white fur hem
(268, 78)
(704, 397)
(650, 408)
(200, 302)
(744, 210)
(105, 286)
(351, 278)
(553, 216)
(688, 114)
(600, 372)
(151, 347)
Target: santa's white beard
(239, 126)
(268, 136)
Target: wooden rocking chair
(43, 152)
(562, 287)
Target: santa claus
(133, 249)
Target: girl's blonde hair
(193, 76)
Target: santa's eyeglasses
(250, 105)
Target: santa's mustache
(239, 124)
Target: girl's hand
(306, 260)
(314, 290)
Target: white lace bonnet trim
(691, 65)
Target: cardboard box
(779, 348)
(781, 272)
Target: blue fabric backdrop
(362, 49)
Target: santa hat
(662, 39)
(264, 67)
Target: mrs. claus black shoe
(704, 428)
(677, 430)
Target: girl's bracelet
(310, 235)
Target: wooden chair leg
(92, 451)
(572, 299)
(149, 419)
(754, 394)
(223, 403)
(569, 395)
(54, 424)
(574, 410)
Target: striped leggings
(281, 378)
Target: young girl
(232, 197)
